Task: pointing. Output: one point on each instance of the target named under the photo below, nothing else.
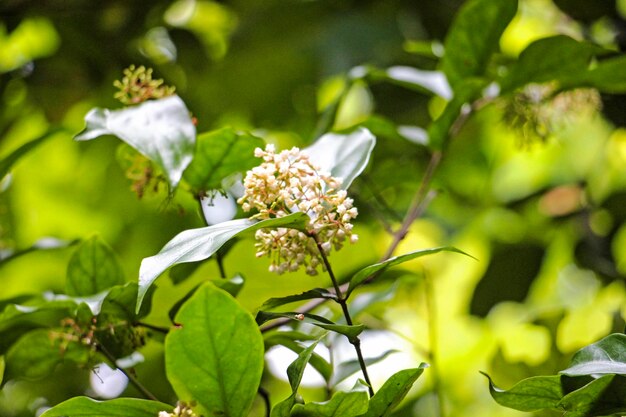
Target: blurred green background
(545, 219)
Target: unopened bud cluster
(288, 182)
(181, 410)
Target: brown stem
(355, 341)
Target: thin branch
(355, 341)
(159, 329)
(134, 381)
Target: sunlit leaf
(530, 394)
(220, 154)
(120, 407)
(344, 156)
(350, 332)
(393, 392)
(199, 244)
(215, 356)
(93, 268)
(162, 130)
(608, 356)
(473, 37)
(360, 277)
(342, 404)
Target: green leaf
(601, 397)
(288, 340)
(393, 391)
(473, 37)
(8, 161)
(434, 82)
(2, 366)
(162, 130)
(294, 373)
(530, 394)
(344, 156)
(199, 244)
(220, 154)
(215, 357)
(120, 407)
(232, 286)
(120, 303)
(608, 356)
(350, 332)
(345, 369)
(37, 353)
(360, 277)
(93, 268)
(41, 244)
(547, 59)
(342, 404)
(307, 295)
(608, 76)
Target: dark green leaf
(199, 244)
(220, 154)
(215, 357)
(345, 369)
(162, 130)
(473, 37)
(608, 356)
(232, 286)
(358, 278)
(120, 303)
(344, 156)
(530, 394)
(342, 404)
(601, 397)
(8, 161)
(608, 76)
(307, 295)
(181, 272)
(350, 332)
(288, 340)
(121, 407)
(93, 268)
(37, 353)
(393, 391)
(548, 59)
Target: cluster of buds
(288, 182)
(138, 86)
(181, 410)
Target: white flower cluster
(285, 183)
(181, 410)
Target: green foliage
(122, 407)
(214, 356)
(93, 268)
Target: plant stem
(433, 339)
(134, 381)
(159, 329)
(355, 341)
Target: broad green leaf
(294, 373)
(288, 340)
(215, 356)
(162, 130)
(344, 156)
(434, 82)
(351, 332)
(342, 404)
(120, 303)
(530, 394)
(608, 76)
(358, 278)
(345, 369)
(231, 286)
(120, 407)
(93, 268)
(608, 356)
(8, 161)
(393, 391)
(199, 244)
(602, 397)
(307, 295)
(465, 93)
(37, 353)
(473, 38)
(547, 59)
(220, 154)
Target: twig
(355, 341)
(128, 375)
(159, 329)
